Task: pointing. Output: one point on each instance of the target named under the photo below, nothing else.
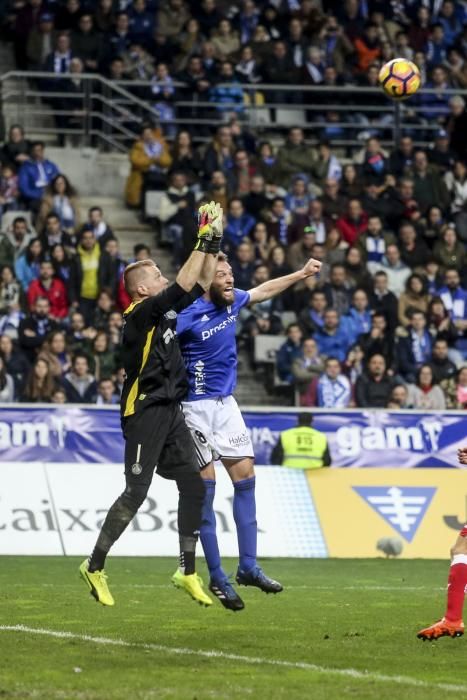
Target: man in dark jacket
(34, 329)
(288, 352)
(414, 350)
(373, 388)
(440, 364)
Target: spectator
(28, 264)
(401, 158)
(40, 383)
(333, 339)
(87, 44)
(288, 352)
(16, 148)
(367, 47)
(300, 251)
(449, 251)
(60, 198)
(14, 242)
(335, 247)
(396, 271)
(54, 351)
(239, 224)
(35, 175)
(50, 287)
(227, 95)
(373, 243)
(456, 182)
(106, 395)
(278, 267)
(150, 158)
(104, 308)
(311, 318)
(412, 248)
(104, 358)
(225, 40)
(429, 187)
(176, 212)
(338, 290)
(440, 364)
(16, 364)
(278, 220)
(62, 263)
(242, 173)
(373, 388)
(414, 349)
(333, 200)
(356, 270)
(243, 266)
(185, 158)
(439, 321)
(7, 386)
(172, 17)
(219, 154)
(306, 367)
(58, 395)
(78, 334)
(10, 291)
(455, 390)
(264, 247)
(378, 340)
(85, 283)
(414, 298)
(99, 227)
(333, 389)
(358, 318)
(350, 185)
(53, 234)
(454, 298)
(34, 328)
(354, 223)
(294, 157)
(79, 384)
(384, 301)
(426, 394)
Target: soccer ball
(400, 78)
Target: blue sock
(244, 512)
(208, 534)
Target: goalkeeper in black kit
(154, 429)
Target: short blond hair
(134, 273)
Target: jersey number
(168, 336)
(200, 437)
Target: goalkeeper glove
(210, 228)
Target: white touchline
(256, 660)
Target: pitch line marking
(254, 660)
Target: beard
(217, 298)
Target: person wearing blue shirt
(333, 338)
(358, 318)
(35, 174)
(239, 223)
(206, 334)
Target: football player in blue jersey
(206, 332)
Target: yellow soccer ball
(400, 78)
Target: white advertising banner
(59, 508)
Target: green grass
(335, 614)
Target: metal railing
(108, 114)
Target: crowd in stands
(385, 322)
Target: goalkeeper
(154, 429)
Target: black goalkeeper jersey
(155, 371)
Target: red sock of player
(457, 583)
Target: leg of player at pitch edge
(452, 625)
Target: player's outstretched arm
(207, 246)
(272, 288)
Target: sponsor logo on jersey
(205, 335)
(200, 378)
(402, 507)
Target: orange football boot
(442, 628)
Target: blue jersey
(206, 335)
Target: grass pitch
(341, 629)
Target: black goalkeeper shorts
(157, 437)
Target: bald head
(143, 279)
